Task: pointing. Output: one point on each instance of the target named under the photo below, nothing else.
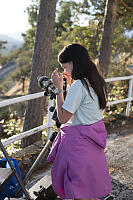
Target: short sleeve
(73, 98)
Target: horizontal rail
(119, 101)
(41, 94)
(50, 124)
(119, 78)
(21, 99)
(27, 133)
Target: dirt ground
(119, 154)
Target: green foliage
(68, 29)
(24, 62)
(18, 109)
(88, 36)
(122, 44)
(2, 46)
(29, 39)
(32, 11)
(29, 36)
(124, 14)
(64, 16)
(11, 126)
(23, 70)
(11, 56)
(4, 86)
(4, 113)
(11, 148)
(118, 90)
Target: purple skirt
(79, 168)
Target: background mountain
(12, 43)
(16, 36)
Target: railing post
(130, 93)
(50, 114)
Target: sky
(13, 17)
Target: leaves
(119, 90)
(11, 149)
(11, 126)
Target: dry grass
(17, 89)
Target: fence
(50, 122)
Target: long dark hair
(84, 68)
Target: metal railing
(50, 122)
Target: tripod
(44, 193)
(46, 84)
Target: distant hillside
(16, 36)
(11, 43)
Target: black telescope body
(47, 84)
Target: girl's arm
(62, 114)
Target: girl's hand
(68, 77)
(57, 79)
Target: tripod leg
(35, 164)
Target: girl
(79, 169)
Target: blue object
(12, 186)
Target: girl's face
(68, 67)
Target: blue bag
(12, 186)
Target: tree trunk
(105, 49)
(40, 63)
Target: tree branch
(125, 5)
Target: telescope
(47, 84)
(50, 90)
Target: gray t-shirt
(85, 110)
